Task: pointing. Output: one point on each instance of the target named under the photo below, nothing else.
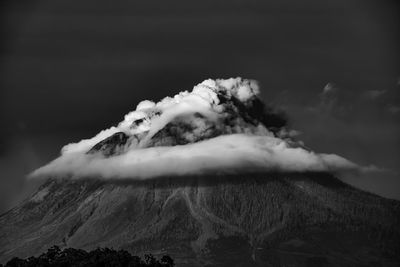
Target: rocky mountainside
(161, 182)
(309, 219)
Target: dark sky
(71, 68)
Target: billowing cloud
(221, 126)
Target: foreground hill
(309, 219)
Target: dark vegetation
(98, 257)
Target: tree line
(101, 257)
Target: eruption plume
(220, 126)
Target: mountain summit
(220, 126)
(211, 177)
(212, 109)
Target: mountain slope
(160, 184)
(309, 219)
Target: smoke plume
(221, 126)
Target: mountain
(212, 178)
(293, 219)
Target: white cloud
(241, 145)
(225, 154)
(150, 117)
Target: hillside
(292, 219)
(212, 177)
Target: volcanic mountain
(211, 177)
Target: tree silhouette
(98, 257)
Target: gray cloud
(393, 109)
(374, 94)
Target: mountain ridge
(202, 220)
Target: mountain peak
(212, 108)
(219, 126)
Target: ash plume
(220, 126)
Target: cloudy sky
(71, 68)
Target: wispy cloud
(374, 94)
(393, 109)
